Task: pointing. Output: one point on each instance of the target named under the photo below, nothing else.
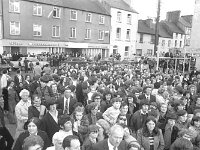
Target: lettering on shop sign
(15, 43)
(102, 47)
(43, 44)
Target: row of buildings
(88, 27)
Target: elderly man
(114, 141)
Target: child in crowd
(112, 113)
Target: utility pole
(157, 35)
(157, 30)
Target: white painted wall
(122, 43)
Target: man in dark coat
(139, 117)
(147, 95)
(112, 142)
(6, 140)
(66, 104)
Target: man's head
(71, 142)
(116, 135)
(67, 92)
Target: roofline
(125, 10)
(65, 7)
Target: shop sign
(15, 43)
(43, 44)
(98, 46)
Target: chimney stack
(149, 23)
(173, 16)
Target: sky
(148, 8)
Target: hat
(50, 102)
(93, 128)
(44, 79)
(181, 112)
(171, 116)
(104, 124)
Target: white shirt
(110, 146)
(55, 117)
(20, 78)
(4, 81)
(65, 104)
(21, 110)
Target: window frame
(119, 16)
(15, 27)
(37, 31)
(72, 37)
(129, 19)
(118, 34)
(13, 3)
(56, 36)
(141, 38)
(86, 34)
(37, 7)
(58, 12)
(87, 16)
(101, 19)
(75, 14)
(126, 52)
(128, 39)
(101, 31)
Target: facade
(185, 23)
(146, 38)
(72, 26)
(195, 33)
(124, 27)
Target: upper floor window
(119, 16)
(101, 19)
(118, 33)
(88, 34)
(72, 32)
(176, 35)
(175, 43)
(88, 17)
(129, 18)
(56, 12)
(163, 42)
(169, 43)
(37, 30)
(152, 39)
(180, 43)
(14, 6)
(37, 10)
(14, 28)
(73, 15)
(128, 34)
(141, 38)
(101, 34)
(56, 31)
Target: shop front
(38, 47)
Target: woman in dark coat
(93, 114)
(32, 129)
(36, 110)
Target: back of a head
(32, 140)
(116, 129)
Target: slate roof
(173, 27)
(144, 28)
(120, 4)
(85, 5)
(186, 20)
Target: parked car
(33, 59)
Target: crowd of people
(101, 107)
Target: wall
(122, 43)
